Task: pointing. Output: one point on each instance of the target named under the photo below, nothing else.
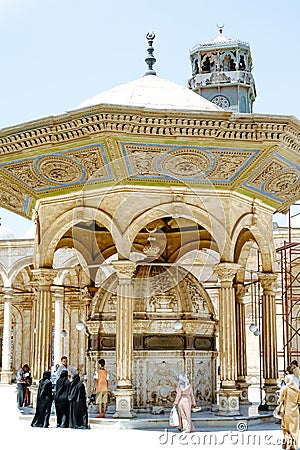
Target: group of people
(69, 398)
(289, 396)
(71, 401)
(63, 387)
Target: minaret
(221, 73)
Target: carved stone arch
(53, 234)
(199, 296)
(106, 290)
(212, 224)
(169, 284)
(190, 246)
(229, 57)
(21, 264)
(4, 279)
(242, 257)
(260, 232)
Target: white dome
(152, 92)
(6, 233)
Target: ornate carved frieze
(192, 163)
(186, 162)
(56, 168)
(276, 178)
(13, 198)
(66, 168)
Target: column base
(6, 376)
(243, 386)
(33, 391)
(229, 402)
(124, 401)
(271, 396)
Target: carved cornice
(79, 125)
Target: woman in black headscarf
(78, 417)
(62, 404)
(43, 402)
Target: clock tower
(221, 73)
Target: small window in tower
(206, 65)
(242, 65)
(232, 64)
(243, 104)
(226, 63)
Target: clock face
(221, 100)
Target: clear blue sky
(57, 53)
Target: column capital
(93, 327)
(124, 268)
(44, 276)
(8, 293)
(58, 292)
(226, 271)
(240, 291)
(268, 280)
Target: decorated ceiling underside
(255, 155)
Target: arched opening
(164, 296)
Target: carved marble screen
(155, 375)
(160, 351)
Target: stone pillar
(6, 372)
(228, 394)
(124, 338)
(58, 295)
(242, 385)
(93, 331)
(269, 338)
(43, 322)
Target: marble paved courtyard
(17, 432)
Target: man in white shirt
(65, 366)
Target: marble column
(6, 371)
(228, 394)
(242, 385)
(124, 338)
(269, 338)
(58, 296)
(42, 349)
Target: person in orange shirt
(101, 386)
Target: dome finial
(150, 60)
(221, 28)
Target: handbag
(279, 411)
(174, 419)
(93, 397)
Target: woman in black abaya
(43, 402)
(78, 417)
(62, 404)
